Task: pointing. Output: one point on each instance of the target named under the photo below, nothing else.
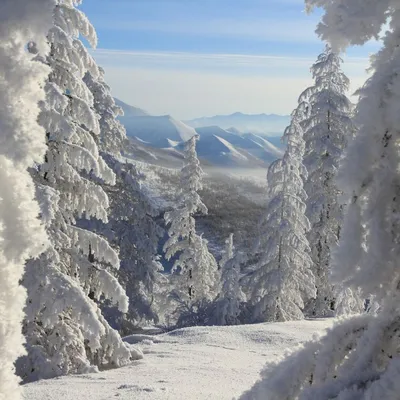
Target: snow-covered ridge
(264, 143)
(231, 149)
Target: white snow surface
(193, 363)
(265, 144)
(230, 148)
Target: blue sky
(191, 58)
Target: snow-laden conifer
(133, 229)
(327, 131)
(131, 226)
(65, 330)
(231, 296)
(22, 142)
(359, 357)
(195, 265)
(282, 280)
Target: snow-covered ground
(193, 363)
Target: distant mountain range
(159, 140)
(265, 124)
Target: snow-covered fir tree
(195, 266)
(231, 296)
(327, 131)
(65, 330)
(359, 357)
(22, 143)
(283, 280)
(132, 227)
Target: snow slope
(193, 363)
(264, 144)
(221, 152)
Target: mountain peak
(159, 131)
(129, 110)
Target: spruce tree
(65, 330)
(327, 131)
(195, 266)
(283, 280)
(132, 227)
(229, 300)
